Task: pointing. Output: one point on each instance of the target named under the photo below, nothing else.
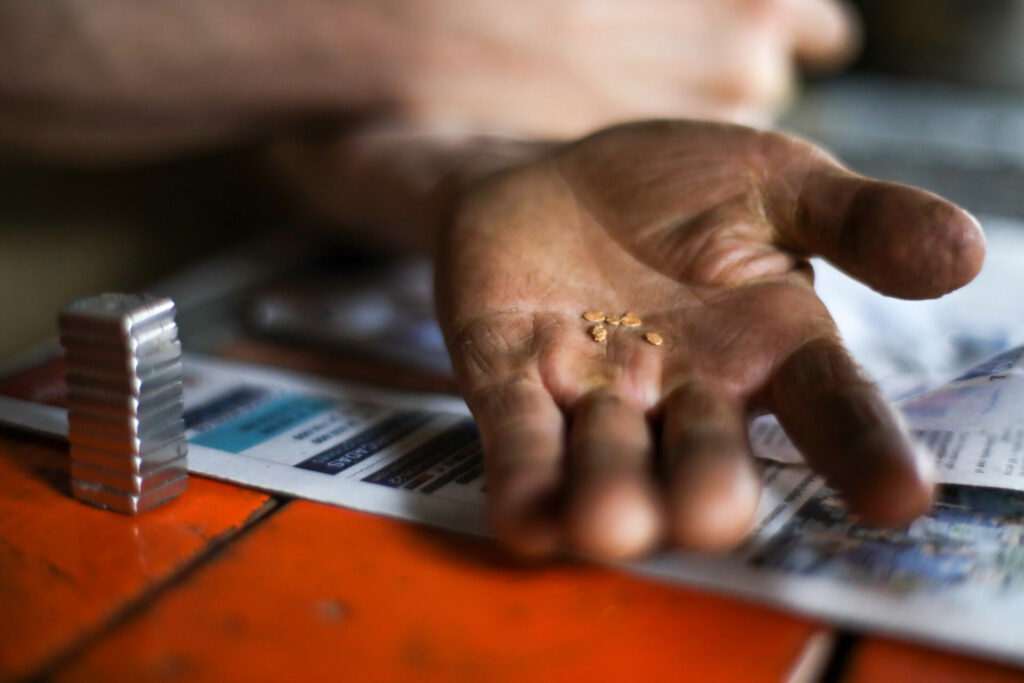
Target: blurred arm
(115, 80)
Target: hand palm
(702, 230)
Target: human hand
(613, 448)
(562, 69)
(120, 82)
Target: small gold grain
(599, 333)
(613, 320)
(594, 316)
(654, 338)
(631, 319)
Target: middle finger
(612, 507)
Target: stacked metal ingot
(125, 403)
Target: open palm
(703, 230)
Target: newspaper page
(973, 424)
(336, 443)
(955, 576)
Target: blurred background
(936, 99)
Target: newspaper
(955, 576)
(974, 425)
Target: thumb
(899, 240)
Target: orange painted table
(69, 571)
(226, 583)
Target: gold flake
(631, 319)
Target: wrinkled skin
(703, 229)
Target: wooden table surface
(228, 583)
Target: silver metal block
(127, 444)
(127, 423)
(125, 401)
(135, 384)
(115, 361)
(143, 463)
(112, 499)
(148, 340)
(109, 402)
(115, 314)
(129, 483)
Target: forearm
(123, 78)
(388, 189)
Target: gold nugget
(654, 338)
(613, 320)
(599, 333)
(594, 316)
(631, 319)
